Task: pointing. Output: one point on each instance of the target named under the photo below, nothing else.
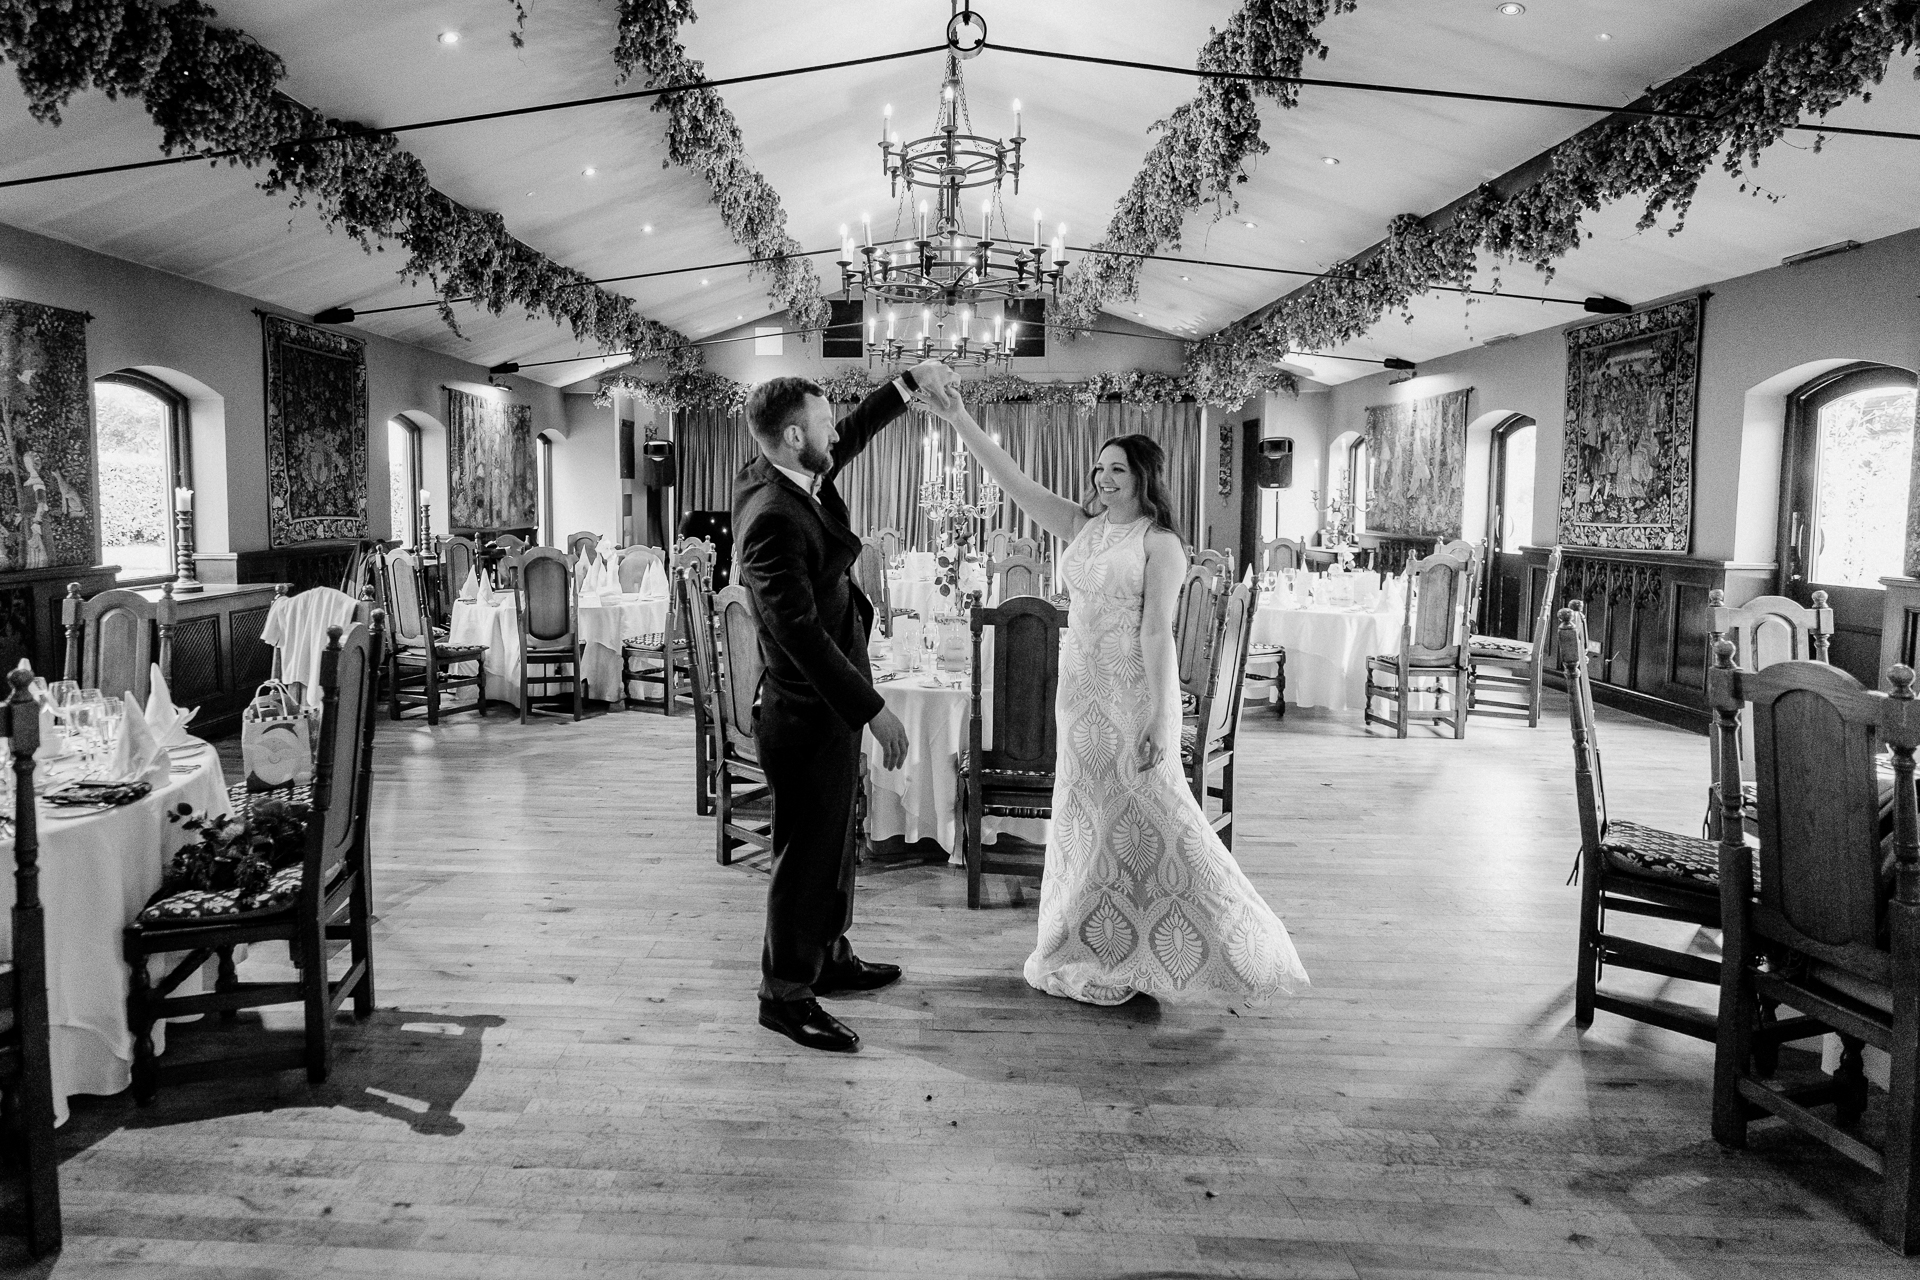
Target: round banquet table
(1327, 650)
(97, 871)
(921, 800)
(917, 594)
(605, 623)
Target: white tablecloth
(917, 594)
(96, 873)
(603, 626)
(1327, 651)
(922, 800)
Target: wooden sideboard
(219, 658)
(306, 564)
(1647, 621)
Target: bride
(1139, 896)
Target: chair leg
(146, 1081)
(526, 690)
(393, 688)
(970, 850)
(1461, 694)
(226, 979)
(722, 815)
(702, 765)
(574, 682)
(1587, 970)
(1401, 703)
(433, 686)
(360, 941)
(313, 979)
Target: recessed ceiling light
(1603, 36)
(449, 37)
(704, 280)
(647, 230)
(1186, 277)
(529, 193)
(1252, 225)
(739, 317)
(1329, 159)
(587, 172)
(1510, 9)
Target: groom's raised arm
(771, 568)
(882, 405)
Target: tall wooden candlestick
(183, 580)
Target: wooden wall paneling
(30, 625)
(218, 656)
(1899, 625)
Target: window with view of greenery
(1864, 464)
(135, 425)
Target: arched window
(1850, 463)
(403, 480)
(1513, 460)
(142, 434)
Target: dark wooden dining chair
(26, 1073)
(696, 610)
(583, 545)
(1505, 676)
(459, 557)
(1281, 553)
(1018, 575)
(549, 629)
(1028, 547)
(632, 563)
(1208, 738)
(699, 553)
(891, 543)
(1195, 611)
(1834, 930)
(743, 803)
(323, 900)
(420, 657)
(1221, 562)
(115, 637)
(662, 657)
(361, 562)
(870, 574)
(1433, 654)
(1013, 778)
(1763, 631)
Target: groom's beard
(815, 459)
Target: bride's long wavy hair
(1148, 462)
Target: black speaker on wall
(1274, 468)
(626, 448)
(657, 464)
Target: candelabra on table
(952, 515)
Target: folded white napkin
(168, 722)
(655, 583)
(136, 754)
(607, 580)
(470, 589)
(53, 740)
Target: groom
(792, 551)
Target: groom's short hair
(774, 402)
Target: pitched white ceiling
(814, 138)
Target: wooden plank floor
(565, 1077)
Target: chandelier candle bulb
(866, 229)
(1036, 228)
(886, 123)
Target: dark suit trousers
(813, 767)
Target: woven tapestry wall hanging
(490, 456)
(1417, 466)
(46, 456)
(1626, 472)
(316, 433)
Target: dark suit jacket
(793, 555)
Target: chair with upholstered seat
(1208, 737)
(743, 803)
(632, 564)
(695, 603)
(1016, 575)
(314, 905)
(583, 545)
(661, 657)
(1432, 661)
(1277, 554)
(1013, 778)
(550, 645)
(1628, 869)
(1763, 631)
(26, 1073)
(459, 557)
(1504, 681)
(870, 575)
(421, 659)
(115, 638)
(1834, 929)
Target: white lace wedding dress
(1139, 895)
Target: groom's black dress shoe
(858, 976)
(805, 1023)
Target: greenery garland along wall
(212, 88)
(1737, 115)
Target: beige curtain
(1053, 443)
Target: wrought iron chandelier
(945, 272)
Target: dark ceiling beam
(1749, 54)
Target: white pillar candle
(866, 229)
(1036, 228)
(886, 121)
(890, 319)
(871, 323)
(183, 499)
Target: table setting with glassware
(1329, 624)
(112, 779)
(924, 671)
(605, 616)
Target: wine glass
(60, 693)
(82, 730)
(930, 649)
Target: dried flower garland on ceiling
(1739, 113)
(212, 88)
(1203, 147)
(702, 135)
(704, 390)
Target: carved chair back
(1281, 553)
(634, 563)
(1026, 676)
(544, 589)
(1018, 575)
(114, 639)
(739, 666)
(1194, 614)
(583, 545)
(1434, 632)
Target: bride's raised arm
(1061, 517)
